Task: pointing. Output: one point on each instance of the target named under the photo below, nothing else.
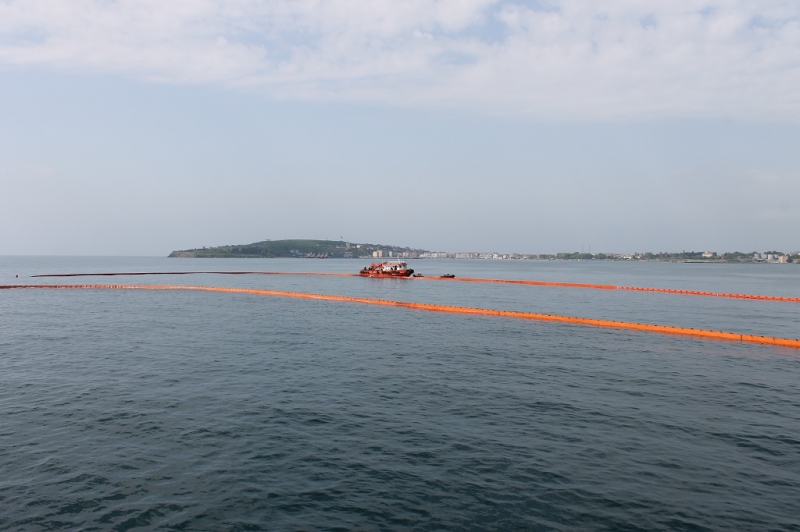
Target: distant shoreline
(333, 249)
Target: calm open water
(124, 410)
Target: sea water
(216, 411)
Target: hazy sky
(137, 128)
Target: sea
(185, 410)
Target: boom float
(662, 329)
(459, 279)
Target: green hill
(295, 248)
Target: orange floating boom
(662, 329)
(458, 279)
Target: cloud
(547, 59)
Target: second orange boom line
(616, 287)
(662, 329)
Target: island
(312, 249)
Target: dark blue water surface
(210, 411)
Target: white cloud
(551, 59)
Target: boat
(448, 276)
(387, 269)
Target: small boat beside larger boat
(387, 269)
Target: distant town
(323, 249)
(776, 257)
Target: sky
(138, 128)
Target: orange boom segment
(662, 329)
(454, 279)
